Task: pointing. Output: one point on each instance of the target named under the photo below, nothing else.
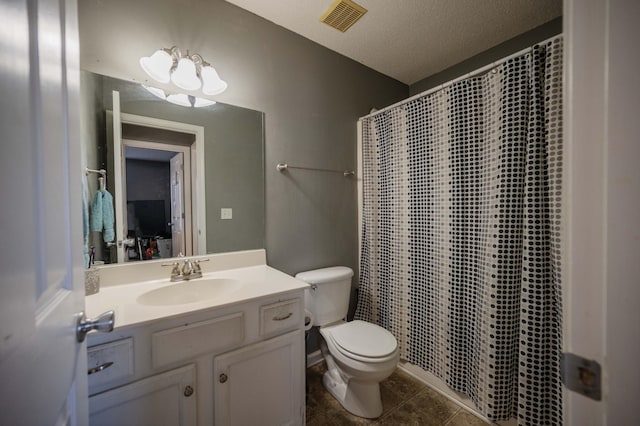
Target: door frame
(602, 205)
(197, 178)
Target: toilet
(359, 355)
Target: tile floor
(405, 401)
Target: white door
(177, 205)
(41, 217)
(119, 171)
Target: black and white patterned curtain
(461, 234)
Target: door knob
(103, 323)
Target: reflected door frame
(198, 202)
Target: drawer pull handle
(283, 317)
(99, 368)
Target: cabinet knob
(188, 391)
(223, 378)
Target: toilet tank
(328, 297)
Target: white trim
(455, 80)
(584, 197)
(314, 358)
(198, 204)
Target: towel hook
(102, 180)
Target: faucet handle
(175, 271)
(198, 268)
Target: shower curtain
(460, 255)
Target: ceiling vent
(343, 14)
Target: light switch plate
(226, 213)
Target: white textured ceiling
(411, 39)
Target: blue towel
(96, 212)
(107, 217)
(102, 216)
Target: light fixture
(189, 101)
(180, 98)
(188, 72)
(156, 92)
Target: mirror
(232, 184)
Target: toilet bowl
(359, 355)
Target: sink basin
(189, 292)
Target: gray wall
(500, 51)
(312, 98)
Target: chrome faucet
(189, 269)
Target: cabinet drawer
(164, 399)
(110, 362)
(280, 316)
(195, 339)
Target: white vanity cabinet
(259, 384)
(241, 363)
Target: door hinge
(582, 375)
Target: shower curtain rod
(281, 167)
(474, 73)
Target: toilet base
(358, 398)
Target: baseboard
(314, 358)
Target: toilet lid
(364, 339)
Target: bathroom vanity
(224, 349)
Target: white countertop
(257, 281)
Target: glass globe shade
(184, 76)
(157, 66)
(179, 99)
(155, 92)
(211, 82)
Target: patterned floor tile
(405, 401)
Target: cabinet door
(164, 399)
(261, 384)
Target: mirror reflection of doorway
(136, 131)
(157, 189)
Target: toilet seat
(362, 341)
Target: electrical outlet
(226, 213)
